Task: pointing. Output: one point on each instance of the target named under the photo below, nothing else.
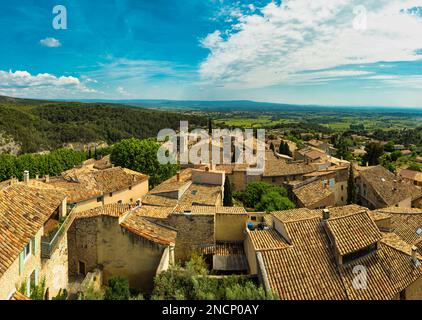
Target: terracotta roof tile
(84, 183)
(111, 210)
(267, 239)
(224, 249)
(23, 211)
(154, 232)
(202, 194)
(276, 168)
(313, 192)
(307, 269)
(210, 210)
(353, 232)
(390, 188)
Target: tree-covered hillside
(38, 125)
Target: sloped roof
(154, 232)
(275, 168)
(313, 192)
(201, 194)
(172, 184)
(210, 209)
(406, 223)
(135, 221)
(411, 174)
(111, 210)
(84, 183)
(353, 232)
(307, 269)
(390, 188)
(267, 239)
(23, 211)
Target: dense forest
(404, 136)
(42, 125)
(52, 163)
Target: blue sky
(296, 51)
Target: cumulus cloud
(24, 83)
(300, 41)
(50, 42)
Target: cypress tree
(351, 188)
(209, 126)
(228, 197)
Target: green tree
(395, 155)
(62, 295)
(351, 188)
(254, 192)
(117, 289)
(141, 156)
(192, 282)
(389, 147)
(373, 152)
(415, 166)
(284, 149)
(228, 197)
(343, 146)
(91, 293)
(273, 201)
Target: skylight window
(419, 231)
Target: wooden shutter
(35, 242)
(21, 262)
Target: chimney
(26, 176)
(37, 176)
(178, 176)
(47, 178)
(367, 163)
(325, 214)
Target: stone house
(379, 188)
(116, 239)
(88, 188)
(34, 249)
(414, 177)
(333, 254)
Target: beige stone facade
(100, 242)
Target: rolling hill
(28, 125)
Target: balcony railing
(49, 243)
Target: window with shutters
(27, 250)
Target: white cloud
(23, 83)
(50, 42)
(122, 91)
(302, 40)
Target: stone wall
(230, 227)
(125, 254)
(102, 242)
(82, 245)
(55, 269)
(193, 231)
(414, 290)
(13, 279)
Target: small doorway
(82, 268)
